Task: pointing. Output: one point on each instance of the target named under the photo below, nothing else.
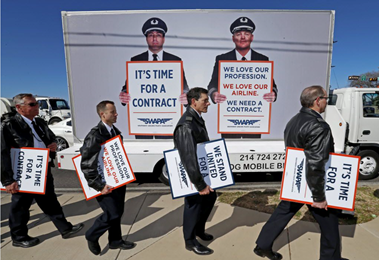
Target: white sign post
(340, 180)
(113, 166)
(213, 163)
(244, 83)
(30, 167)
(154, 88)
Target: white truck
(98, 45)
(53, 109)
(353, 115)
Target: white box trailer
(98, 44)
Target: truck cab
(353, 115)
(53, 110)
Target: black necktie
(45, 140)
(243, 58)
(155, 57)
(113, 132)
(39, 132)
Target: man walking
(190, 131)
(307, 130)
(24, 129)
(112, 200)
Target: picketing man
(112, 200)
(190, 131)
(242, 35)
(307, 130)
(24, 129)
(154, 30)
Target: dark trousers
(327, 220)
(21, 202)
(113, 207)
(197, 210)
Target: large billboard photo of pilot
(251, 61)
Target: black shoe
(199, 249)
(72, 231)
(267, 253)
(28, 242)
(123, 245)
(94, 247)
(206, 237)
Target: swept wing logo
(155, 121)
(243, 121)
(183, 174)
(299, 176)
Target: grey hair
(310, 94)
(18, 99)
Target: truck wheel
(162, 172)
(369, 164)
(54, 121)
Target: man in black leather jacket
(307, 130)
(24, 129)
(190, 131)
(112, 200)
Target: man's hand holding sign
(247, 88)
(340, 180)
(30, 167)
(155, 98)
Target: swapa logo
(183, 174)
(299, 176)
(155, 121)
(243, 121)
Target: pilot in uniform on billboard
(154, 30)
(242, 35)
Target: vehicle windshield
(57, 104)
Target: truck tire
(161, 171)
(54, 120)
(369, 164)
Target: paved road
(68, 180)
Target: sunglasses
(327, 98)
(32, 104)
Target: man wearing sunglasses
(24, 129)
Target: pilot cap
(154, 24)
(242, 24)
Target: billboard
(99, 44)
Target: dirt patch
(366, 204)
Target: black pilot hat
(242, 24)
(154, 24)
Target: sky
(32, 49)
